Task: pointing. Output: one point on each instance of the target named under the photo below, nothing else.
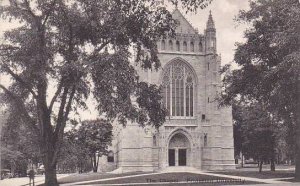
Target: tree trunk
(50, 167)
(297, 170)
(50, 150)
(50, 176)
(94, 163)
(272, 165)
(242, 160)
(260, 166)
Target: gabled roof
(184, 26)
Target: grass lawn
(255, 174)
(175, 179)
(93, 176)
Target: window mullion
(171, 91)
(175, 105)
(184, 93)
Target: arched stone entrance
(179, 150)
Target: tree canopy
(256, 133)
(66, 50)
(269, 61)
(94, 137)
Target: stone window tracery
(178, 89)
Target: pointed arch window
(163, 45)
(178, 89)
(192, 47)
(177, 46)
(200, 47)
(184, 46)
(170, 45)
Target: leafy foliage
(257, 132)
(18, 145)
(89, 141)
(268, 61)
(95, 136)
(55, 56)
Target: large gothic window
(178, 89)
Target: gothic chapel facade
(196, 133)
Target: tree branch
(59, 130)
(26, 10)
(69, 104)
(58, 91)
(18, 78)
(60, 115)
(98, 49)
(49, 11)
(20, 105)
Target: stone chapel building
(197, 133)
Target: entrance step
(179, 169)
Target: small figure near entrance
(31, 177)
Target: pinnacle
(210, 22)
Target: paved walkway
(275, 181)
(24, 181)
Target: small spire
(210, 22)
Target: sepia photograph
(149, 92)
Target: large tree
(65, 50)
(269, 62)
(256, 133)
(93, 137)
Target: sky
(223, 12)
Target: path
(24, 181)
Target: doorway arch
(179, 150)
